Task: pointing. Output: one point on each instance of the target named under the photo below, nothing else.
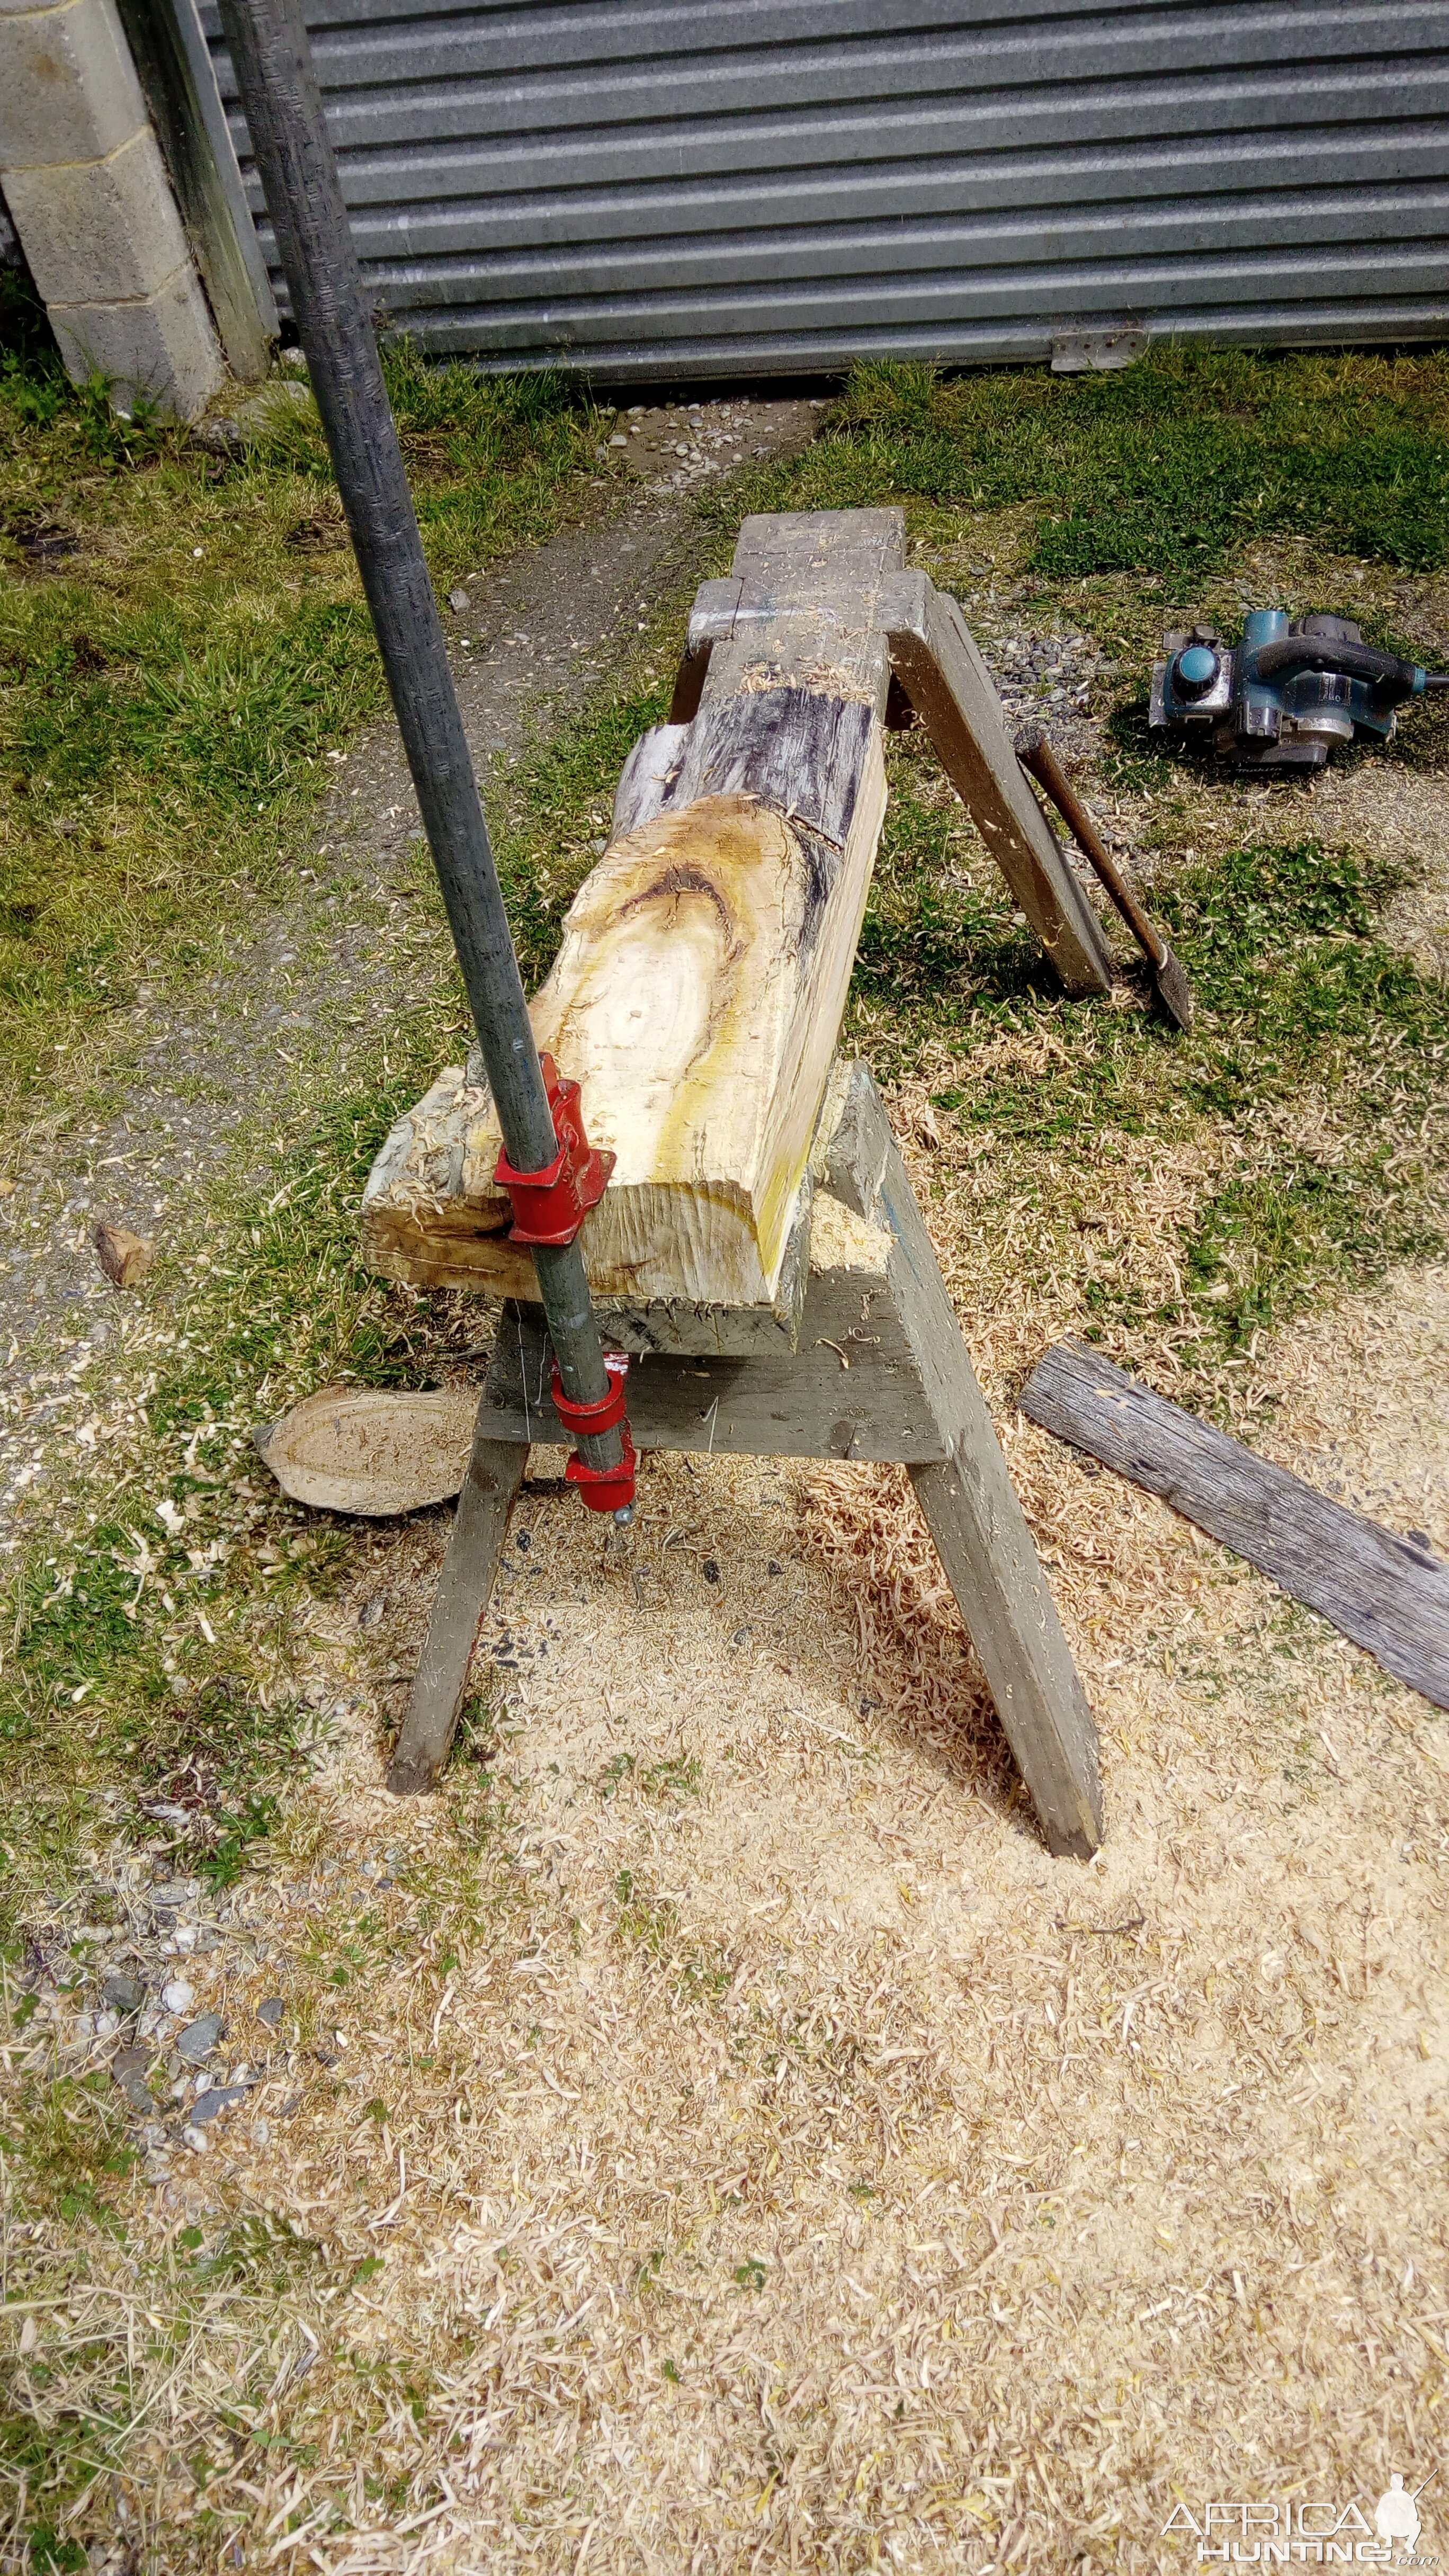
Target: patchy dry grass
(712, 2133)
(183, 639)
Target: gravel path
(534, 637)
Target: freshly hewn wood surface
(935, 656)
(698, 990)
(696, 998)
(1387, 1593)
(371, 1450)
(465, 1586)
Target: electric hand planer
(1287, 694)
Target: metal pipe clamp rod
(273, 65)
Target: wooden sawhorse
(758, 1230)
(860, 1356)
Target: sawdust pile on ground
(743, 2148)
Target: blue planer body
(1287, 695)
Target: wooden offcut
(1388, 1593)
(372, 1451)
(124, 1257)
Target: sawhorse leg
(495, 1472)
(935, 658)
(971, 1504)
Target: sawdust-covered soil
(731, 2142)
(712, 2134)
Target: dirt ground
(774, 2158)
(715, 2136)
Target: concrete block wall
(87, 189)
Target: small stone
(459, 602)
(124, 1257)
(199, 2038)
(123, 1994)
(208, 2106)
(178, 1996)
(271, 2011)
(128, 2073)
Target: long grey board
(1385, 1592)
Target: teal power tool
(1288, 694)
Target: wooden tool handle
(1035, 753)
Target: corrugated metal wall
(718, 186)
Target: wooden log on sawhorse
(875, 1369)
(698, 990)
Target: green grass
(1166, 466)
(171, 680)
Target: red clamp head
(604, 1489)
(551, 1205)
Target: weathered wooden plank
(371, 1450)
(807, 615)
(971, 1504)
(1387, 1593)
(934, 654)
(480, 1525)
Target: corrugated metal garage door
(736, 185)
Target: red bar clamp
(551, 1205)
(604, 1489)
